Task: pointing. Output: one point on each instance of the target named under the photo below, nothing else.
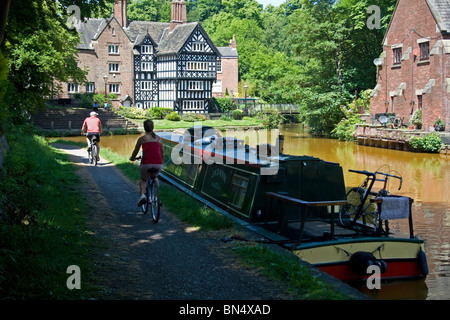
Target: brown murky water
(426, 178)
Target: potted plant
(439, 125)
(416, 119)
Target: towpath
(168, 260)
(139, 260)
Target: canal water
(426, 179)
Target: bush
(345, 129)
(173, 116)
(237, 114)
(191, 117)
(223, 104)
(159, 112)
(271, 118)
(225, 118)
(135, 113)
(429, 143)
(417, 118)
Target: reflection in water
(425, 179)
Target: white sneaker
(142, 200)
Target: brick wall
(413, 79)
(229, 77)
(97, 61)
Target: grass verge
(42, 220)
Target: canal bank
(395, 139)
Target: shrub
(191, 117)
(225, 118)
(237, 114)
(271, 118)
(429, 143)
(346, 128)
(173, 116)
(223, 104)
(417, 118)
(159, 112)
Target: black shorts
(90, 135)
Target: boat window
(239, 186)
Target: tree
(41, 52)
(149, 10)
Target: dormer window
(146, 49)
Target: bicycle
(93, 155)
(359, 210)
(152, 195)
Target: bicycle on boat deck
(359, 210)
(153, 202)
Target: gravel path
(165, 261)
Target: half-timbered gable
(187, 68)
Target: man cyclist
(93, 127)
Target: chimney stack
(178, 13)
(120, 12)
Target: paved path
(142, 260)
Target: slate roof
(228, 52)
(137, 30)
(441, 12)
(172, 42)
(167, 42)
(88, 32)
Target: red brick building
(227, 71)
(414, 70)
(174, 64)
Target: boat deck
(313, 230)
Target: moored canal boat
(290, 200)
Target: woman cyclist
(152, 155)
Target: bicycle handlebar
(374, 174)
(367, 173)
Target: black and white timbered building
(174, 64)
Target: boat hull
(402, 258)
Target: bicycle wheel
(348, 212)
(90, 158)
(145, 205)
(94, 154)
(155, 205)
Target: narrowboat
(289, 200)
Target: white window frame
(114, 67)
(146, 85)
(217, 86)
(90, 87)
(113, 49)
(219, 65)
(198, 46)
(146, 66)
(196, 66)
(195, 85)
(73, 88)
(114, 88)
(146, 49)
